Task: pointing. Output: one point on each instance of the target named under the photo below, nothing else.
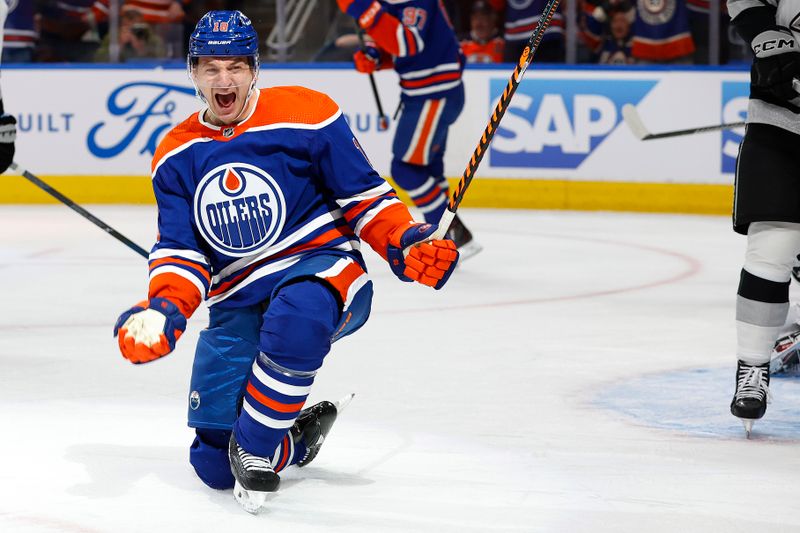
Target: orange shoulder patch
(293, 104)
(184, 132)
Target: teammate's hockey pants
(418, 150)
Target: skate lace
(753, 383)
(253, 462)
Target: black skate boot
(785, 359)
(255, 477)
(314, 424)
(752, 393)
(459, 234)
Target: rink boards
(91, 131)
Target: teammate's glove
(149, 330)
(366, 12)
(367, 60)
(776, 63)
(8, 134)
(429, 262)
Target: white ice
(573, 377)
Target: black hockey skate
(314, 424)
(459, 234)
(752, 394)
(255, 477)
(784, 358)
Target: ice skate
(458, 233)
(784, 358)
(314, 424)
(752, 394)
(255, 477)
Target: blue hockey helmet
(224, 33)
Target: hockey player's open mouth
(225, 101)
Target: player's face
(224, 82)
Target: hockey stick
(637, 127)
(78, 209)
(634, 122)
(500, 109)
(383, 122)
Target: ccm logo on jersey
(239, 209)
(773, 44)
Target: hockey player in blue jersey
(415, 38)
(263, 198)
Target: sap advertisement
(564, 124)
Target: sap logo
(735, 96)
(141, 107)
(558, 123)
(239, 209)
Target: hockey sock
(761, 307)
(287, 453)
(272, 401)
(295, 338)
(428, 192)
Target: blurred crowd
(617, 32)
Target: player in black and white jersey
(8, 124)
(767, 193)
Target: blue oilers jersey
(240, 205)
(427, 55)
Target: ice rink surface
(573, 377)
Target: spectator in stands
(661, 33)
(137, 40)
(483, 44)
(68, 31)
(164, 16)
(521, 18)
(20, 34)
(616, 47)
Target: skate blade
(467, 250)
(748, 426)
(343, 403)
(251, 501)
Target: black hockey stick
(383, 121)
(500, 109)
(637, 127)
(78, 209)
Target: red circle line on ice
(691, 267)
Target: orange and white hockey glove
(430, 262)
(149, 330)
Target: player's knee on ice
(299, 324)
(208, 455)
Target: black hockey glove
(8, 134)
(776, 63)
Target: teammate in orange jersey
(416, 39)
(263, 199)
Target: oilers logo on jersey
(239, 209)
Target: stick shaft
(500, 109)
(381, 114)
(692, 131)
(78, 209)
